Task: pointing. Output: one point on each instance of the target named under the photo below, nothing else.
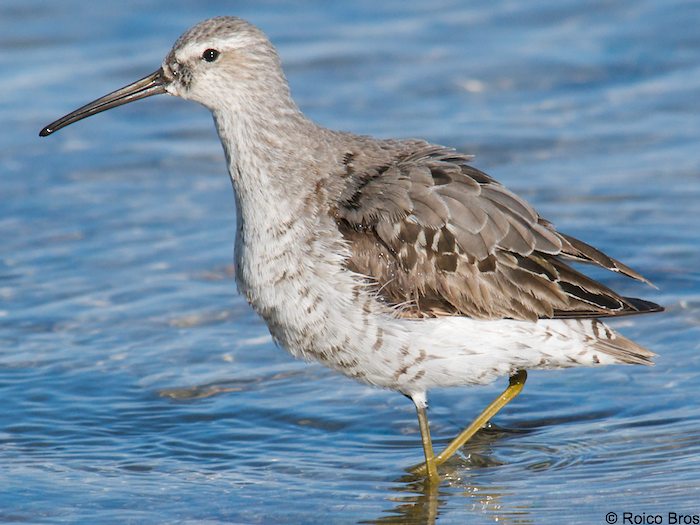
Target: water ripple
(137, 385)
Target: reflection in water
(419, 502)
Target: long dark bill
(153, 84)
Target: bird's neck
(280, 164)
(269, 151)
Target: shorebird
(394, 262)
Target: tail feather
(618, 347)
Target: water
(138, 387)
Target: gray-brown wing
(440, 237)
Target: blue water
(138, 387)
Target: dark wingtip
(591, 254)
(45, 132)
(643, 306)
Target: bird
(395, 262)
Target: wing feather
(439, 237)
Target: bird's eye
(210, 55)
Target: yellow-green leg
(429, 468)
(516, 384)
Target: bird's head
(219, 62)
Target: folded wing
(439, 237)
